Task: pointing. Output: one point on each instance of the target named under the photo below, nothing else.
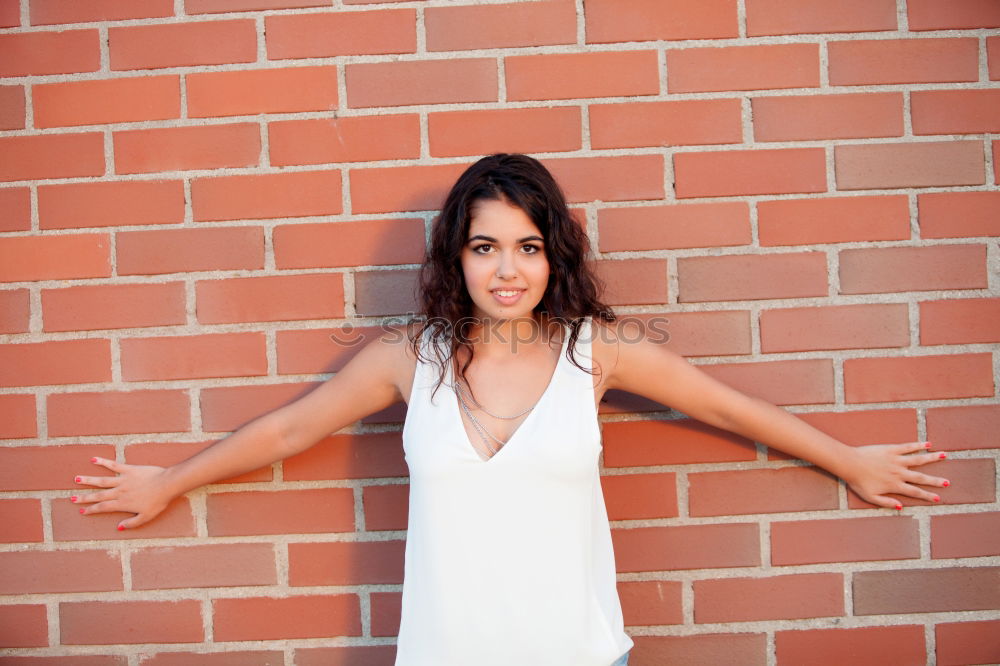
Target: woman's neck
(505, 337)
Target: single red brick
(50, 52)
(46, 571)
(833, 220)
(673, 226)
(15, 311)
(370, 655)
(771, 17)
(754, 67)
(194, 356)
(97, 102)
(224, 409)
(446, 81)
(246, 92)
(214, 565)
(182, 148)
(386, 506)
(113, 306)
(401, 189)
(47, 12)
(22, 521)
(226, 6)
(965, 535)
(792, 382)
(54, 257)
(870, 62)
(500, 26)
(844, 540)
(541, 130)
(756, 171)
(189, 250)
(924, 377)
(633, 281)
(348, 457)
(118, 412)
(685, 441)
(386, 612)
(228, 658)
(177, 520)
(75, 660)
(848, 116)
(653, 602)
(12, 110)
(857, 428)
(650, 20)
(745, 649)
(711, 333)
(351, 139)
(862, 326)
(955, 111)
(959, 214)
(686, 547)
(10, 15)
(321, 350)
(110, 204)
(928, 268)
(761, 491)
(345, 563)
(271, 298)
(926, 590)
(574, 75)
(183, 44)
(960, 321)
(55, 362)
(111, 622)
(296, 194)
(872, 646)
(385, 292)
(993, 59)
(996, 160)
(16, 205)
(963, 427)
(622, 178)
(50, 467)
(17, 416)
(170, 453)
(51, 155)
(23, 625)
(283, 512)
(774, 598)
(749, 276)
(263, 618)
(637, 496)
(967, 642)
(326, 34)
(935, 15)
(674, 123)
(353, 243)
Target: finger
(98, 481)
(884, 501)
(924, 458)
(91, 498)
(912, 447)
(134, 521)
(918, 493)
(108, 463)
(919, 478)
(107, 506)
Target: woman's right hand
(137, 489)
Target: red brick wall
(195, 193)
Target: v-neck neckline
(457, 410)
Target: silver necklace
(478, 426)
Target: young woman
(508, 554)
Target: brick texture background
(197, 196)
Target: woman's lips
(507, 296)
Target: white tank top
(509, 560)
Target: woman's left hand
(881, 470)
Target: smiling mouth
(507, 293)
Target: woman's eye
(482, 249)
(531, 249)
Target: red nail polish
(77, 479)
(82, 510)
(120, 528)
(93, 460)
(899, 507)
(73, 498)
(927, 445)
(942, 456)
(946, 484)
(937, 499)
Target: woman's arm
(371, 381)
(874, 472)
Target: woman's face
(504, 263)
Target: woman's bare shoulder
(616, 342)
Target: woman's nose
(505, 267)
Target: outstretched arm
(873, 472)
(369, 382)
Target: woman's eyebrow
(490, 239)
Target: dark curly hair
(573, 291)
